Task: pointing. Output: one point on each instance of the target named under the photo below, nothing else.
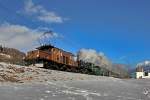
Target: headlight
(37, 55)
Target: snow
(23, 74)
(5, 55)
(42, 84)
(78, 90)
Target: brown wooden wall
(53, 54)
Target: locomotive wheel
(63, 68)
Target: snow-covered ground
(56, 85)
(5, 55)
(28, 74)
(104, 89)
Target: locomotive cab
(51, 54)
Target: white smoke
(91, 56)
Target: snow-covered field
(57, 85)
(28, 74)
(104, 89)
(5, 55)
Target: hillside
(11, 55)
(28, 74)
(120, 69)
(32, 83)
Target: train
(55, 58)
(51, 57)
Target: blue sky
(118, 28)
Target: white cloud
(145, 63)
(41, 13)
(18, 36)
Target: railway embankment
(29, 74)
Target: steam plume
(91, 56)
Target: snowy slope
(104, 89)
(32, 83)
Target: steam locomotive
(55, 58)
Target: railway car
(52, 57)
